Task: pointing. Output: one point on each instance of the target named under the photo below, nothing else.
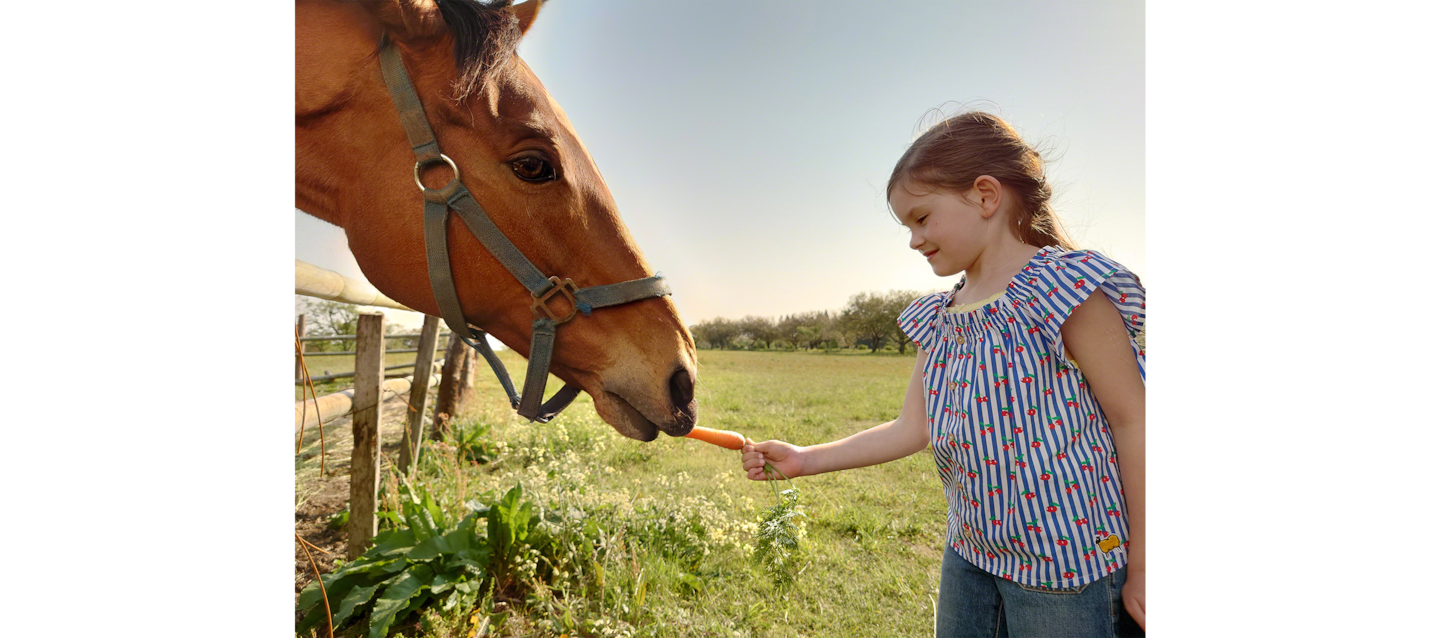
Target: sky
(747, 144)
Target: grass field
(672, 522)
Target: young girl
(1029, 388)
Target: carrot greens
(778, 546)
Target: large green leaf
(437, 515)
(463, 536)
(390, 567)
(497, 533)
(476, 506)
(473, 561)
(417, 509)
(396, 598)
(430, 548)
(314, 617)
(358, 597)
(522, 521)
(442, 583)
(388, 542)
(336, 585)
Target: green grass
(670, 523)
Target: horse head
(519, 157)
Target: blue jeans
(974, 603)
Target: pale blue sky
(747, 143)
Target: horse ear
(408, 19)
(525, 13)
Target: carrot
(723, 438)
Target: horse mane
(486, 36)
(485, 33)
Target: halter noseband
(454, 196)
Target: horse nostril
(682, 389)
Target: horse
(509, 144)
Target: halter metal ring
(449, 188)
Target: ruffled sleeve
(918, 321)
(1058, 281)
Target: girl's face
(947, 229)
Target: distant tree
(401, 344)
(324, 317)
(718, 332)
(807, 335)
(871, 318)
(866, 318)
(896, 302)
(697, 332)
(761, 330)
(788, 330)
(829, 334)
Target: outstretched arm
(907, 434)
(1095, 334)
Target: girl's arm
(1095, 334)
(907, 434)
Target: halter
(454, 196)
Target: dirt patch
(319, 496)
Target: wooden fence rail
(346, 375)
(313, 413)
(314, 281)
(300, 329)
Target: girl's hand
(786, 458)
(1133, 593)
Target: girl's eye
(533, 169)
(922, 219)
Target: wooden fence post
(299, 331)
(455, 384)
(419, 391)
(365, 457)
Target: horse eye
(533, 169)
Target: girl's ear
(987, 191)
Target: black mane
(486, 35)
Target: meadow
(655, 539)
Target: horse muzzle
(643, 415)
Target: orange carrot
(723, 438)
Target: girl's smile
(948, 230)
(964, 232)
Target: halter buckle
(564, 287)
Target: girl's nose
(915, 240)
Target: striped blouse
(1023, 449)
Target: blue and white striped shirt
(1023, 448)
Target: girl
(1028, 387)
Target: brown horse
(519, 157)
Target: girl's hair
(952, 154)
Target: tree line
(868, 320)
